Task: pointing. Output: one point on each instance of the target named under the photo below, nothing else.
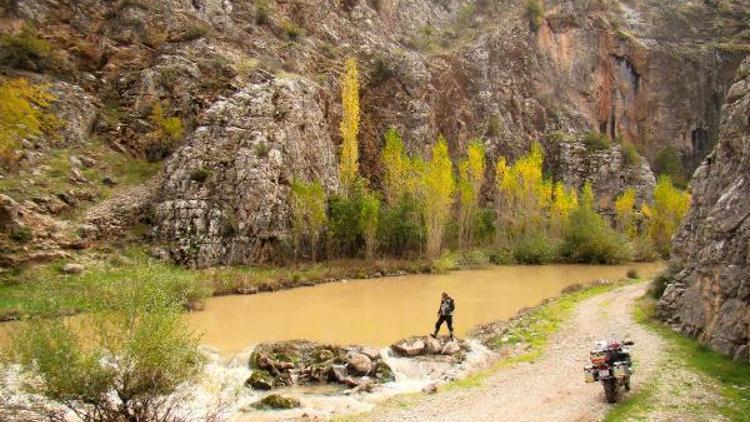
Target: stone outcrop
(607, 170)
(431, 346)
(709, 297)
(224, 195)
(300, 362)
(650, 73)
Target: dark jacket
(447, 306)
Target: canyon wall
(256, 84)
(709, 297)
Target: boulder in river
(409, 347)
(383, 372)
(427, 345)
(277, 401)
(302, 362)
(260, 380)
(358, 363)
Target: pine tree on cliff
(349, 166)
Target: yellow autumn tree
(397, 171)
(523, 193)
(564, 201)
(471, 175)
(368, 221)
(664, 216)
(308, 216)
(24, 113)
(625, 213)
(437, 188)
(349, 128)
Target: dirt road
(552, 388)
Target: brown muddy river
(380, 311)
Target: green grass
(25, 291)
(44, 288)
(637, 404)
(55, 171)
(732, 378)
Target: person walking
(445, 314)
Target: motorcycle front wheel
(610, 390)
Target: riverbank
(29, 291)
(34, 290)
(559, 336)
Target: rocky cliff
(255, 84)
(709, 297)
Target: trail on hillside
(552, 388)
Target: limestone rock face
(223, 198)
(606, 169)
(710, 295)
(76, 109)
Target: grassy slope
(729, 380)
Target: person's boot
(451, 338)
(434, 335)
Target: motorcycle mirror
(628, 343)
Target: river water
(380, 311)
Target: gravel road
(552, 388)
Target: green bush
(200, 175)
(494, 126)
(535, 13)
(262, 149)
(483, 226)
(596, 141)
(659, 285)
(669, 162)
(194, 31)
(502, 256)
(262, 12)
(345, 236)
(382, 71)
(475, 259)
(645, 250)
(534, 249)
(630, 154)
(446, 262)
(21, 234)
(588, 238)
(27, 51)
(400, 230)
(136, 344)
(292, 31)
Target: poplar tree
(663, 218)
(349, 128)
(523, 194)
(397, 168)
(368, 221)
(471, 175)
(308, 215)
(625, 213)
(437, 190)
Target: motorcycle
(612, 366)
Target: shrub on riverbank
(534, 249)
(588, 238)
(124, 360)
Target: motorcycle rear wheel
(610, 390)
